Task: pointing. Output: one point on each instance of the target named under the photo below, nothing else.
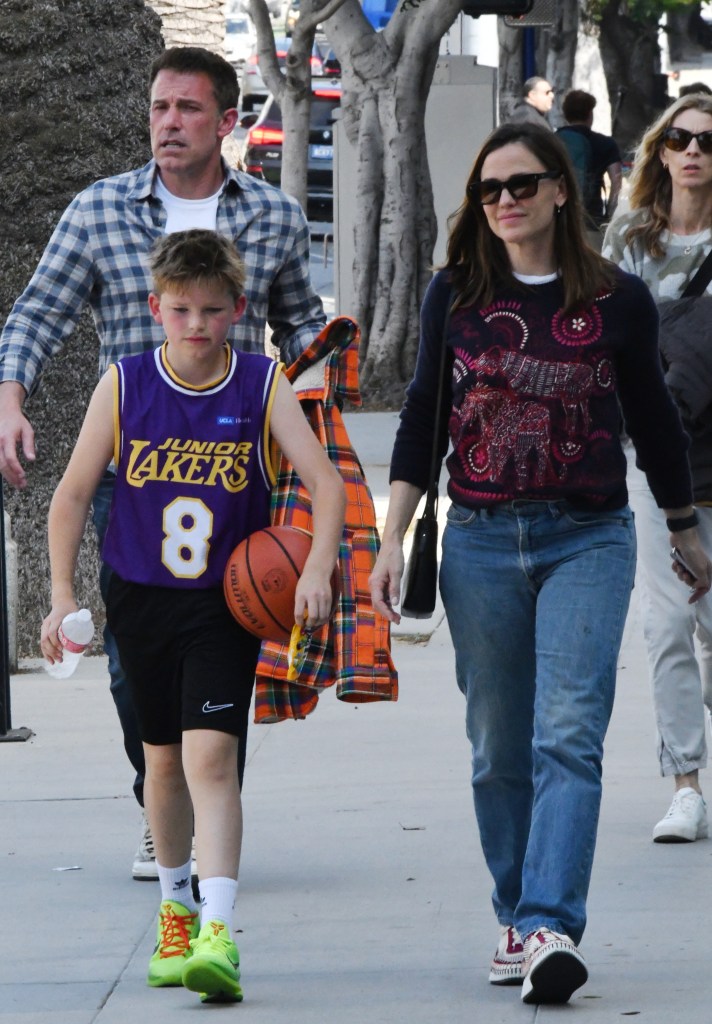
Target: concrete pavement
(363, 893)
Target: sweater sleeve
(414, 438)
(651, 416)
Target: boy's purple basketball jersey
(194, 475)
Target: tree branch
(314, 16)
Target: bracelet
(684, 523)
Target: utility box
(460, 113)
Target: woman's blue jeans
(536, 596)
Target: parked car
(240, 7)
(252, 85)
(240, 39)
(262, 155)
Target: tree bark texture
(74, 109)
(631, 62)
(193, 23)
(561, 41)
(511, 78)
(386, 78)
(292, 87)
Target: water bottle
(75, 635)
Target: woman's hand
(695, 568)
(50, 645)
(385, 580)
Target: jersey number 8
(187, 528)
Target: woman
(664, 239)
(544, 340)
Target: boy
(188, 426)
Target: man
(99, 254)
(593, 155)
(538, 98)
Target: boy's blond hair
(197, 257)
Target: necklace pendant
(687, 250)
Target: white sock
(217, 900)
(175, 885)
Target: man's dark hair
(577, 105)
(531, 83)
(189, 60)
(694, 88)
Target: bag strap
(431, 501)
(701, 279)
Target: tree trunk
(562, 39)
(510, 68)
(631, 62)
(292, 87)
(73, 96)
(193, 23)
(387, 77)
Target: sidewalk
(363, 893)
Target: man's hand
(14, 428)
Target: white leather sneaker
(685, 821)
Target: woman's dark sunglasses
(519, 186)
(678, 139)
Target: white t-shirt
(183, 214)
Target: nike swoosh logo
(215, 707)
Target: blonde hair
(650, 184)
(199, 257)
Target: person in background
(536, 102)
(98, 255)
(546, 343)
(594, 156)
(664, 238)
(694, 88)
(174, 521)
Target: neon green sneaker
(176, 927)
(213, 969)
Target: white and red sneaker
(553, 968)
(508, 959)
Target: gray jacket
(525, 113)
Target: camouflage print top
(684, 332)
(666, 277)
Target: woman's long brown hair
(478, 260)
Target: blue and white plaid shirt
(99, 253)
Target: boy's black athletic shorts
(188, 663)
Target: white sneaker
(553, 968)
(144, 865)
(508, 959)
(685, 821)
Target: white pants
(681, 679)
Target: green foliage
(643, 11)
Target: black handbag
(685, 326)
(420, 580)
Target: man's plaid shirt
(99, 252)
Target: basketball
(261, 579)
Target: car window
(322, 112)
(321, 115)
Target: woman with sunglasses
(545, 342)
(664, 239)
